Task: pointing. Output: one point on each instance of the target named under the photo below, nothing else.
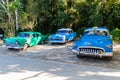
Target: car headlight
(109, 46)
(17, 42)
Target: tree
(106, 13)
(47, 16)
(7, 10)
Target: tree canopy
(47, 16)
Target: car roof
(97, 28)
(65, 29)
(30, 32)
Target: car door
(71, 35)
(68, 36)
(34, 40)
(38, 38)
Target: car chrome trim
(91, 47)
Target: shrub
(116, 34)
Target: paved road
(21, 68)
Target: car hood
(14, 39)
(57, 35)
(97, 41)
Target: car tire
(52, 43)
(25, 46)
(10, 48)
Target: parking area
(63, 53)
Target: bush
(116, 34)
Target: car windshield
(96, 32)
(23, 35)
(62, 32)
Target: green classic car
(24, 40)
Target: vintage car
(95, 41)
(62, 35)
(24, 40)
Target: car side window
(106, 33)
(103, 33)
(31, 36)
(69, 31)
(38, 35)
(34, 35)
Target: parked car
(95, 42)
(24, 40)
(62, 35)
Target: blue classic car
(95, 41)
(62, 36)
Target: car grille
(91, 50)
(10, 44)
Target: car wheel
(10, 48)
(25, 46)
(52, 43)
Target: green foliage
(7, 16)
(47, 16)
(116, 34)
(106, 13)
(28, 15)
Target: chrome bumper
(56, 41)
(13, 47)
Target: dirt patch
(63, 53)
